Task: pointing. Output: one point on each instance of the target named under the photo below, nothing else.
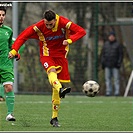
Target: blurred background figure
(111, 60)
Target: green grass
(77, 113)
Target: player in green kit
(6, 65)
(2, 91)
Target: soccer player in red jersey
(54, 33)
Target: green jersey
(6, 42)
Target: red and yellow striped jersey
(50, 40)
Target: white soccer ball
(91, 88)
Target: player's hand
(65, 42)
(17, 57)
(12, 53)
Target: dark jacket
(111, 55)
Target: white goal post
(129, 84)
(127, 33)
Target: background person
(111, 60)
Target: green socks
(10, 98)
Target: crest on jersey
(63, 30)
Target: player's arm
(17, 57)
(76, 31)
(28, 33)
(10, 41)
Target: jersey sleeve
(10, 40)
(74, 31)
(28, 33)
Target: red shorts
(61, 66)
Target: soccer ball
(91, 88)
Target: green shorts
(6, 75)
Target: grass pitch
(77, 113)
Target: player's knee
(8, 88)
(52, 70)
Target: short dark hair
(3, 8)
(49, 15)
